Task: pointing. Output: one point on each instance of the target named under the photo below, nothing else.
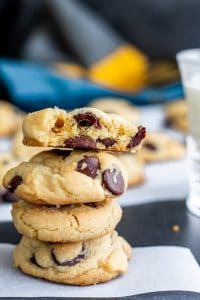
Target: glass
(189, 65)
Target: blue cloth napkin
(32, 87)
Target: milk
(189, 66)
(192, 91)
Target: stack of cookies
(67, 212)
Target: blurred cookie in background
(177, 115)
(9, 118)
(160, 147)
(162, 72)
(118, 106)
(20, 151)
(7, 161)
(134, 167)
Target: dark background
(159, 28)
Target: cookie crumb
(176, 228)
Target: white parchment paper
(150, 269)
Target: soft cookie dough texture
(84, 128)
(70, 223)
(80, 263)
(60, 177)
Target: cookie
(9, 119)
(20, 151)
(118, 106)
(134, 167)
(160, 147)
(60, 177)
(70, 223)
(80, 263)
(7, 161)
(177, 115)
(84, 128)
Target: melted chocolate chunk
(80, 142)
(87, 119)
(70, 263)
(114, 181)
(63, 153)
(8, 197)
(89, 166)
(13, 184)
(107, 141)
(140, 135)
(150, 146)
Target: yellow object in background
(124, 69)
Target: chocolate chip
(63, 153)
(13, 184)
(89, 166)
(140, 135)
(8, 197)
(80, 142)
(107, 141)
(70, 263)
(87, 119)
(169, 122)
(150, 146)
(114, 181)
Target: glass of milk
(189, 65)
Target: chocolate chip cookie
(118, 106)
(60, 177)
(7, 161)
(81, 263)
(84, 128)
(177, 115)
(69, 223)
(9, 119)
(134, 166)
(161, 147)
